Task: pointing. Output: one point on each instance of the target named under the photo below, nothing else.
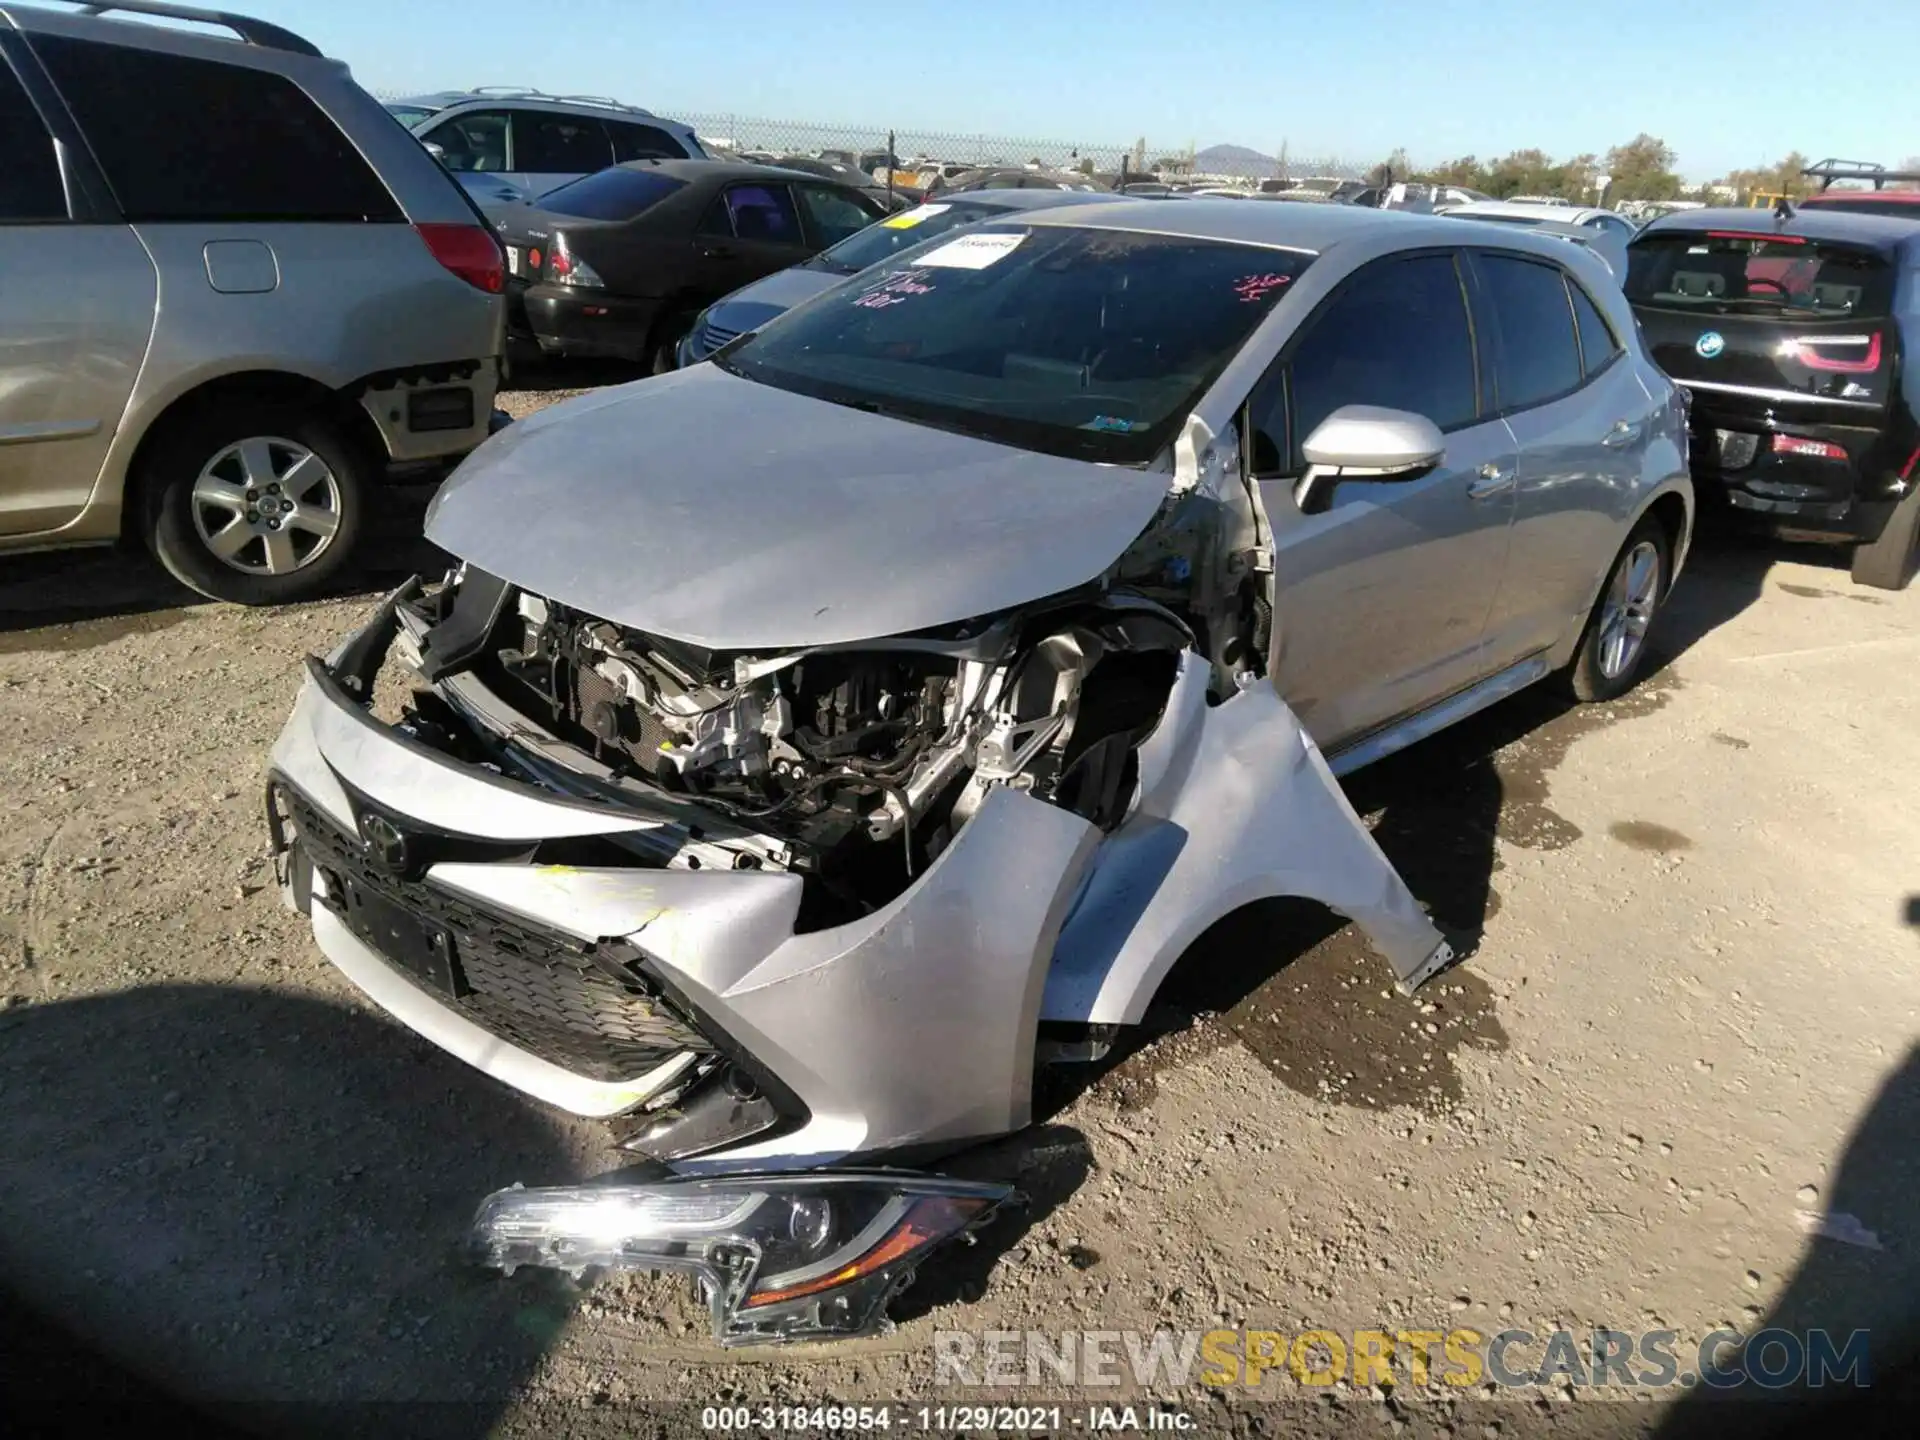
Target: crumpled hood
(728, 514)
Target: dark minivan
(1793, 334)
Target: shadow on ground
(256, 1198)
(91, 596)
(1860, 1271)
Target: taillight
(469, 252)
(566, 268)
(1808, 449)
(1805, 351)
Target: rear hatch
(1749, 321)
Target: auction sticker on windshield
(907, 219)
(972, 252)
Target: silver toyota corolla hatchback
(804, 730)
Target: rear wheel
(1613, 649)
(1889, 562)
(256, 504)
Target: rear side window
(1597, 345)
(474, 143)
(559, 144)
(1539, 356)
(1780, 277)
(756, 212)
(612, 194)
(1398, 336)
(832, 215)
(30, 187)
(183, 139)
(643, 142)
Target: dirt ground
(1691, 1017)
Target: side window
(1539, 357)
(643, 142)
(1597, 345)
(832, 215)
(475, 142)
(762, 213)
(559, 144)
(1398, 336)
(30, 187)
(182, 139)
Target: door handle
(1491, 479)
(716, 252)
(1623, 433)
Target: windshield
(614, 194)
(888, 237)
(1785, 276)
(410, 115)
(1087, 343)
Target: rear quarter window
(183, 139)
(1538, 358)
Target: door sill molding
(1435, 718)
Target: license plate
(516, 263)
(416, 945)
(1737, 447)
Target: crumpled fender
(1236, 805)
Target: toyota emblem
(384, 842)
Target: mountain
(1219, 156)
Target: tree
(1467, 172)
(1780, 178)
(1395, 167)
(1912, 166)
(1642, 169)
(1524, 172)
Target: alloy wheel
(1632, 596)
(267, 506)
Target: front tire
(256, 504)
(1889, 562)
(1613, 648)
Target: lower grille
(579, 1004)
(712, 337)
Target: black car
(618, 264)
(1792, 334)
(899, 198)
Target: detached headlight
(779, 1257)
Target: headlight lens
(788, 1257)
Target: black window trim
(1574, 287)
(1475, 255)
(89, 201)
(1283, 361)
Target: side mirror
(438, 151)
(1365, 442)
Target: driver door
(1381, 599)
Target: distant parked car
(508, 145)
(1530, 212)
(748, 309)
(1016, 177)
(1901, 204)
(618, 264)
(232, 295)
(900, 198)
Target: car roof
(691, 170)
(1291, 227)
(1010, 200)
(1830, 197)
(1887, 234)
(508, 99)
(1530, 210)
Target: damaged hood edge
(713, 510)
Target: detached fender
(1249, 811)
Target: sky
(1726, 83)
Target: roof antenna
(1783, 208)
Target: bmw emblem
(1709, 345)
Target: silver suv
(508, 144)
(233, 295)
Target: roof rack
(253, 32)
(528, 92)
(1828, 171)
